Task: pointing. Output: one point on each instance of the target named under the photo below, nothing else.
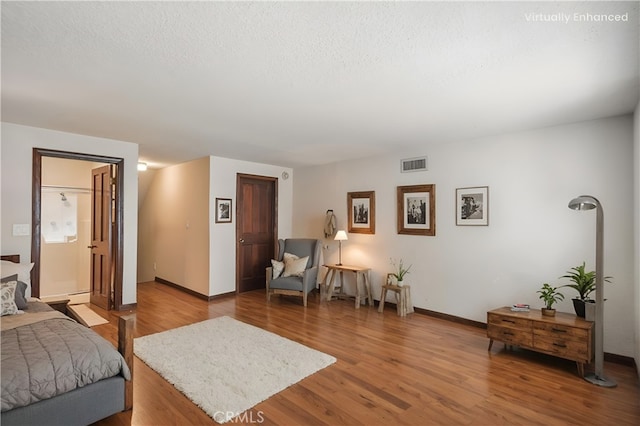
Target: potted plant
(584, 283)
(549, 295)
(400, 272)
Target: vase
(578, 306)
(400, 282)
(548, 312)
(590, 311)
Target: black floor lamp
(587, 202)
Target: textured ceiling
(298, 84)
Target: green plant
(550, 295)
(582, 281)
(401, 271)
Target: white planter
(590, 311)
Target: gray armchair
(296, 285)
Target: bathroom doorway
(105, 248)
(65, 256)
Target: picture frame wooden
(224, 213)
(416, 210)
(361, 208)
(472, 206)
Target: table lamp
(340, 237)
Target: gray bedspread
(53, 356)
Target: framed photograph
(362, 212)
(472, 206)
(223, 210)
(417, 210)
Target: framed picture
(417, 210)
(472, 206)
(223, 210)
(362, 212)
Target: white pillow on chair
(277, 267)
(294, 266)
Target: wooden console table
(563, 335)
(327, 291)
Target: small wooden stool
(403, 298)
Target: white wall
(174, 226)
(223, 235)
(186, 193)
(146, 226)
(636, 209)
(17, 152)
(532, 238)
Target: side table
(327, 290)
(403, 298)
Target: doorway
(256, 229)
(42, 230)
(64, 263)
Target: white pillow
(288, 256)
(295, 267)
(22, 269)
(277, 267)
(7, 298)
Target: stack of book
(520, 307)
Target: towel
(329, 224)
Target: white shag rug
(226, 366)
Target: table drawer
(564, 348)
(559, 330)
(510, 322)
(510, 335)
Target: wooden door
(255, 230)
(101, 233)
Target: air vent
(418, 164)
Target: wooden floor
(416, 370)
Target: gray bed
(58, 372)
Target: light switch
(21, 229)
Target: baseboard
(438, 315)
(451, 318)
(193, 293)
(621, 359)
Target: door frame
(273, 179)
(36, 203)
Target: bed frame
(87, 404)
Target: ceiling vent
(417, 164)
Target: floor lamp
(587, 202)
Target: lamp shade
(341, 236)
(583, 202)
(142, 166)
